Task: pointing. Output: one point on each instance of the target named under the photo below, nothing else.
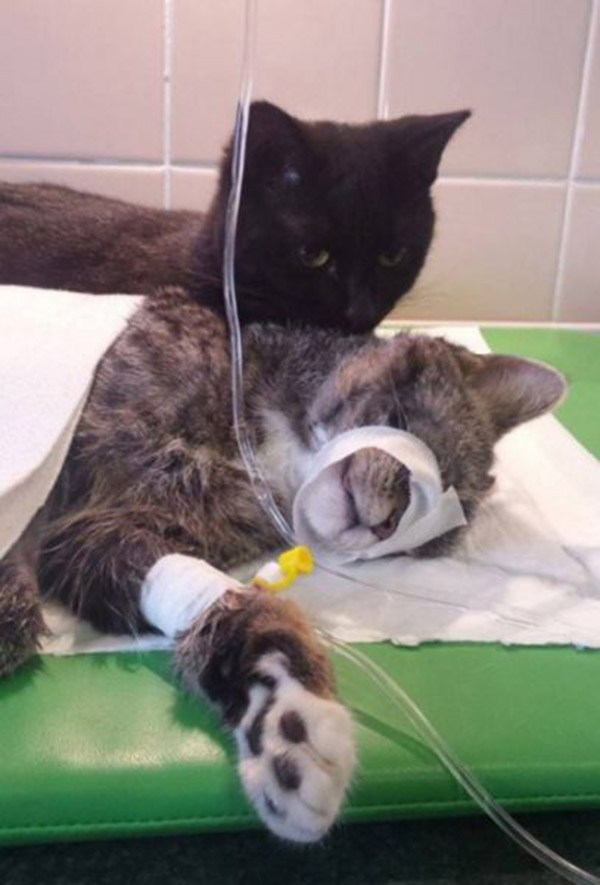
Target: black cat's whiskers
(199, 276)
(256, 296)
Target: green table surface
(107, 745)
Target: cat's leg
(255, 657)
(94, 561)
(21, 622)
(252, 655)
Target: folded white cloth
(528, 572)
(50, 344)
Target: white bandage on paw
(430, 513)
(178, 588)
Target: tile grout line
(211, 166)
(84, 162)
(578, 135)
(167, 105)
(532, 180)
(107, 162)
(382, 80)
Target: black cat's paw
(296, 754)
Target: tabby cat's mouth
(382, 530)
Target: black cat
(335, 225)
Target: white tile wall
(304, 61)
(135, 98)
(588, 165)
(320, 59)
(81, 78)
(192, 188)
(206, 59)
(517, 63)
(579, 298)
(494, 253)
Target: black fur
(355, 192)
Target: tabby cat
(154, 469)
(335, 225)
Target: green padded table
(107, 745)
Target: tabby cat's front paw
(21, 622)
(296, 754)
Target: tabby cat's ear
(422, 139)
(515, 390)
(275, 144)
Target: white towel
(50, 344)
(528, 572)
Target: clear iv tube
(257, 478)
(391, 689)
(461, 773)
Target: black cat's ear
(275, 148)
(514, 390)
(422, 140)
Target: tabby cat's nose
(386, 529)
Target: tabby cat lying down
(154, 469)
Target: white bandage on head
(430, 513)
(179, 588)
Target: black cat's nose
(360, 318)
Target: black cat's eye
(392, 259)
(313, 258)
